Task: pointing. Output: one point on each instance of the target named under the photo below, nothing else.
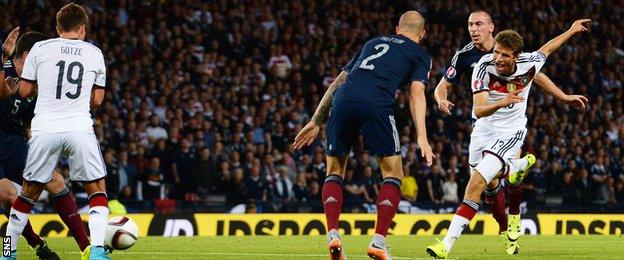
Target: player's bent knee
(489, 167)
(57, 184)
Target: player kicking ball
(500, 83)
(480, 28)
(67, 75)
(14, 113)
(363, 102)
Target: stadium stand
(205, 97)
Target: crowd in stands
(204, 98)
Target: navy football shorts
(377, 126)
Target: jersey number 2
(384, 48)
(70, 78)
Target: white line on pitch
(237, 254)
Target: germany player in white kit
(500, 83)
(68, 76)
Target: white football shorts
(81, 149)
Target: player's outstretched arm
(545, 84)
(309, 132)
(554, 44)
(441, 95)
(418, 108)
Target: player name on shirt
(71, 50)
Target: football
(121, 233)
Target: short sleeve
(29, 72)
(421, 70)
(539, 59)
(480, 77)
(455, 70)
(100, 77)
(352, 62)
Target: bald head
(411, 22)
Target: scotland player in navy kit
(363, 102)
(480, 28)
(14, 113)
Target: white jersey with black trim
(65, 71)
(485, 78)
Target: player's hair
(71, 17)
(26, 42)
(510, 39)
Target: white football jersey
(485, 78)
(65, 71)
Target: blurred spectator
(151, 185)
(449, 188)
(409, 187)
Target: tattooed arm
(323, 108)
(311, 130)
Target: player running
(363, 102)
(68, 77)
(480, 28)
(14, 113)
(500, 84)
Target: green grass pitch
(313, 247)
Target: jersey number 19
(77, 80)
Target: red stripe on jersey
(518, 83)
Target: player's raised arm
(418, 109)
(554, 44)
(544, 83)
(7, 88)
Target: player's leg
(494, 197)
(12, 168)
(485, 171)
(87, 166)
(65, 205)
(42, 155)
(514, 193)
(387, 204)
(341, 134)
(381, 136)
(20, 210)
(332, 202)
(8, 195)
(495, 200)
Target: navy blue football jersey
(463, 62)
(382, 66)
(14, 110)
